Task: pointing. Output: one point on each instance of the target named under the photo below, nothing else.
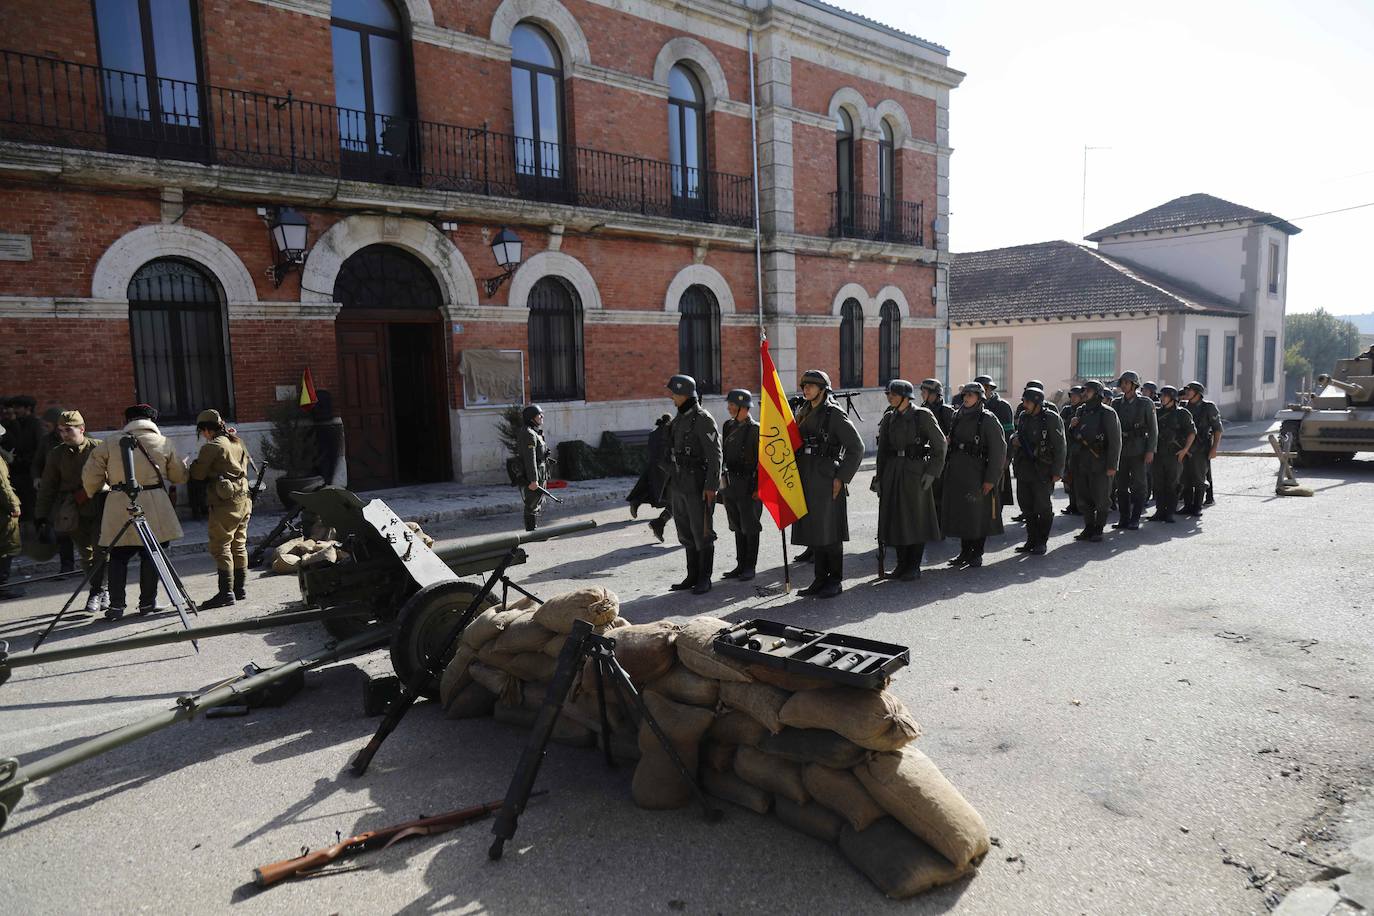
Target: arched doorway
(392, 369)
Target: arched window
(686, 136)
(851, 344)
(555, 342)
(151, 76)
(698, 338)
(386, 277)
(844, 172)
(887, 179)
(889, 343)
(176, 318)
(371, 81)
(536, 82)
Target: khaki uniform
(223, 464)
(62, 469)
(9, 526)
(534, 459)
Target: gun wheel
(423, 624)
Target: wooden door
(365, 377)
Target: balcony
(62, 103)
(875, 219)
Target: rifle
(548, 494)
(256, 489)
(797, 400)
(267, 875)
(882, 559)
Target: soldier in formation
(976, 458)
(1207, 423)
(1006, 416)
(1139, 439)
(1038, 450)
(740, 482)
(64, 507)
(1096, 432)
(223, 464)
(1176, 435)
(911, 457)
(533, 455)
(1067, 414)
(829, 457)
(694, 457)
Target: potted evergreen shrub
(290, 448)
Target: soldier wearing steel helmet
(694, 460)
(1207, 420)
(827, 461)
(1038, 450)
(1139, 440)
(1176, 434)
(1097, 432)
(933, 399)
(1007, 417)
(740, 478)
(976, 457)
(533, 453)
(223, 464)
(1070, 411)
(911, 457)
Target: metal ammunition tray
(849, 660)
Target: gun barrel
(1350, 388)
(457, 550)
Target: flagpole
(786, 569)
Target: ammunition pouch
(819, 446)
(515, 470)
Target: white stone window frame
(697, 58)
(117, 266)
(555, 19)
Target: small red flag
(308, 396)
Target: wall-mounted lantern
(506, 248)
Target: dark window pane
(549, 134)
(175, 59)
(349, 91)
(532, 45)
(851, 344)
(377, 13)
(121, 49)
(889, 343)
(1096, 358)
(180, 364)
(1202, 358)
(555, 342)
(388, 76)
(1228, 362)
(683, 86)
(699, 338)
(1271, 347)
(991, 359)
(386, 277)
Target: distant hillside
(1364, 322)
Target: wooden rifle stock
(267, 875)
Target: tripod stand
(152, 552)
(582, 644)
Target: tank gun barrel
(1350, 388)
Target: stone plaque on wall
(15, 247)
(493, 378)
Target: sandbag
(786, 679)
(294, 547)
(657, 783)
(285, 563)
(617, 624)
(524, 634)
(493, 656)
(645, 650)
(731, 788)
(495, 680)
(472, 701)
(814, 745)
(686, 686)
(696, 652)
(572, 733)
(874, 719)
(912, 789)
(456, 675)
(811, 819)
(509, 714)
(841, 792)
(554, 647)
(325, 557)
(782, 778)
(486, 626)
(531, 666)
(594, 604)
(757, 701)
(719, 757)
(585, 711)
(737, 728)
(897, 862)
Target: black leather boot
(240, 580)
(693, 572)
(817, 584)
(834, 574)
(751, 556)
(8, 591)
(910, 568)
(741, 553)
(222, 598)
(705, 559)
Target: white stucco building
(1192, 289)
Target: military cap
(740, 397)
(71, 418)
(1033, 394)
(1076, 389)
(1129, 376)
(1093, 384)
(816, 377)
(901, 387)
(52, 415)
(1150, 386)
(1170, 390)
(140, 412)
(986, 381)
(1035, 383)
(530, 412)
(974, 388)
(933, 384)
(209, 416)
(683, 384)
(1196, 386)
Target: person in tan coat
(223, 463)
(156, 464)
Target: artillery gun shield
(424, 622)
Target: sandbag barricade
(835, 763)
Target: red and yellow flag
(308, 397)
(780, 486)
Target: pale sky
(1267, 103)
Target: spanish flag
(780, 486)
(308, 397)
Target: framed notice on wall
(493, 378)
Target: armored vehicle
(1336, 419)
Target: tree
(1296, 368)
(1320, 338)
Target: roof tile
(1193, 210)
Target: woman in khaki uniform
(223, 462)
(9, 530)
(156, 464)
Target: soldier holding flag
(739, 493)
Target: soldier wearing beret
(223, 465)
(911, 457)
(533, 455)
(1139, 439)
(829, 457)
(1176, 435)
(1097, 432)
(740, 446)
(64, 505)
(977, 456)
(1038, 450)
(694, 458)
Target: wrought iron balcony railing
(878, 219)
(63, 103)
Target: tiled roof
(1193, 210)
(1065, 280)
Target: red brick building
(146, 145)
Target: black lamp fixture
(506, 248)
(289, 231)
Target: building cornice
(63, 308)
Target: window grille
(851, 344)
(698, 338)
(176, 320)
(1096, 358)
(555, 342)
(991, 359)
(889, 343)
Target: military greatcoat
(1175, 425)
(832, 449)
(911, 448)
(740, 447)
(977, 455)
(694, 457)
(1097, 433)
(1038, 453)
(105, 465)
(62, 480)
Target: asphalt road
(1173, 721)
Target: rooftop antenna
(1083, 214)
